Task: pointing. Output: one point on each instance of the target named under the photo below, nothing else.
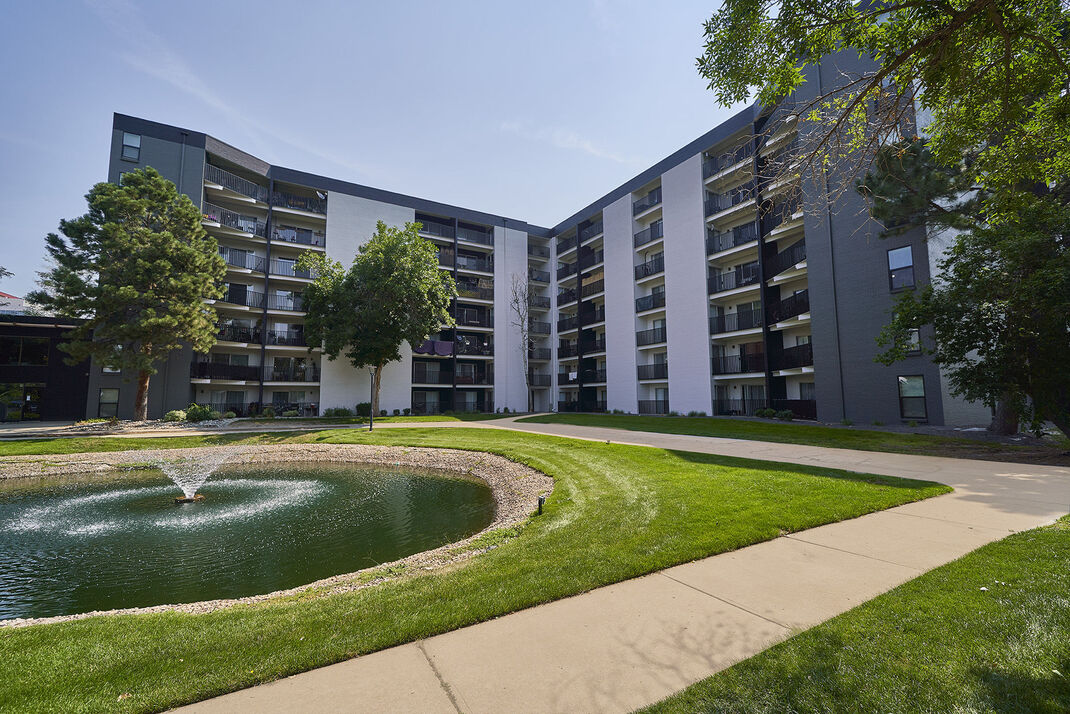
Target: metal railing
(440, 230)
(788, 258)
(222, 370)
(538, 327)
(790, 307)
(593, 376)
(592, 344)
(468, 262)
(539, 302)
(716, 203)
(232, 219)
(797, 356)
(653, 406)
(566, 244)
(477, 349)
(737, 407)
(566, 378)
(469, 317)
(242, 260)
(658, 370)
(564, 297)
(717, 241)
(650, 337)
(648, 201)
(311, 204)
(649, 302)
(235, 183)
(539, 251)
(474, 292)
(566, 269)
(295, 303)
(538, 276)
(300, 236)
(741, 320)
(287, 338)
(651, 267)
(248, 298)
(238, 333)
(569, 349)
(291, 374)
(802, 408)
(422, 374)
(446, 258)
(739, 364)
(539, 380)
(539, 353)
(591, 316)
(289, 269)
(568, 406)
(649, 234)
(592, 288)
(732, 279)
(568, 323)
(591, 231)
(586, 261)
(719, 162)
(475, 235)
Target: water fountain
(190, 472)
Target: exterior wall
(510, 258)
(687, 304)
(169, 388)
(63, 396)
(621, 385)
(170, 156)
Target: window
(806, 390)
(108, 404)
(121, 174)
(913, 341)
(131, 146)
(25, 351)
(912, 397)
(901, 268)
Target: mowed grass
(814, 435)
(938, 643)
(460, 416)
(616, 512)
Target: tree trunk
(377, 380)
(1004, 419)
(141, 401)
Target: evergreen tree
(137, 268)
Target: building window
(108, 404)
(901, 268)
(121, 174)
(913, 341)
(23, 351)
(131, 146)
(912, 397)
(806, 391)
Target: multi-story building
(715, 281)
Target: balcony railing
(446, 258)
(289, 269)
(480, 377)
(788, 258)
(658, 370)
(646, 202)
(739, 364)
(476, 293)
(732, 279)
(248, 298)
(592, 288)
(538, 276)
(311, 204)
(586, 261)
(539, 380)
(539, 353)
(593, 376)
(539, 251)
(440, 348)
(566, 269)
(779, 214)
(237, 333)
(572, 406)
(741, 320)
(235, 183)
(797, 356)
(650, 337)
(289, 338)
(649, 302)
(539, 302)
(422, 374)
(650, 267)
(653, 406)
(717, 241)
(591, 316)
(300, 236)
(789, 307)
(295, 303)
(440, 230)
(473, 318)
(716, 203)
(477, 349)
(591, 231)
(649, 234)
(720, 162)
(291, 374)
(468, 262)
(566, 244)
(566, 378)
(737, 407)
(564, 297)
(802, 408)
(475, 235)
(221, 370)
(243, 260)
(569, 349)
(568, 323)
(233, 219)
(538, 327)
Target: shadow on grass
(1017, 692)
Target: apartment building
(714, 282)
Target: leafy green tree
(393, 292)
(137, 268)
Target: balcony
(566, 269)
(659, 370)
(568, 406)
(741, 320)
(789, 307)
(568, 323)
(539, 328)
(241, 296)
(446, 258)
(653, 406)
(591, 259)
(566, 244)
(592, 288)
(592, 344)
(310, 204)
(568, 349)
(802, 408)
(737, 407)
(650, 337)
(475, 235)
(237, 184)
(242, 259)
(538, 276)
(433, 228)
(476, 377)
(427, 374)
(291, 374)
(540, 354)
(539, 380)
(718, 241)
(468, 262)
(232, 219)
(796, 357)
(650, 267)
(299, 236)
(788, 258)
(467, 317)
(715, 164)
(293, 303)
(538, 302)
(564, 297)
(221, 370)
(651, 233)
(649, 302)
(289, 269)
(593, 376)
(592, 316)
(591, 231)
(439, 348)
(739, 364)
(474, 349)
(647, 202)
(566, 378)
(474, 292)
(716, 203)
(237, 333)
(538, 251)
(730, 280)
(286, 338)
(779, 214)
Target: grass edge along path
(616, 512)
(987, 632)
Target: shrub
(505, 410)
(290, 413)
(229, 415)
(397, 412)
(846, 422)
(785, 415)
(618, 411)
(912, 423)
(406, 411)
(338, 412)
(195, 412)
(215, 414)
(268, 413)
(364, 409)
(696, 414)
(173, 415)
(765, 413)
(674, 413)
(382, 412)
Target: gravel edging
(515, 487)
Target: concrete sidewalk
(633, 643)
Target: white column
(622, 385)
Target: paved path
(630, 644)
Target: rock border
(516, 489)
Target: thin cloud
(560, 138)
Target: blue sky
(527, 110)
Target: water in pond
(119, 540)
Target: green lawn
(460, 416)
(935, 644)
(616, 512)
(815, 435)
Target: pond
(118, 539)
